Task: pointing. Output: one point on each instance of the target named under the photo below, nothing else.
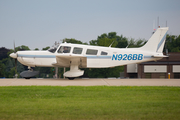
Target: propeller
(15, 58)
(14, 55)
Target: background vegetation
(7, 64)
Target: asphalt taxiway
(90, 82)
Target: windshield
(53, 48)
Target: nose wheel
(29, 73)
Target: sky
(39, 23)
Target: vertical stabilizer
(157, 40)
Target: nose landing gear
(29, 73)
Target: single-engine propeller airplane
(78, 56)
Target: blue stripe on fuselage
(99, 57)
(37, 56)
(54, 56)
(148, 56)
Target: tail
(157, 40)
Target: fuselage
(95, 56)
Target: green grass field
(97, 102)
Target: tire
(71, 78)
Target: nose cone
(13, 55)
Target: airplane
(78, 56)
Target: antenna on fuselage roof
(128, 44)
(111, 44)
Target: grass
(96, 102)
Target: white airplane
(78, 56)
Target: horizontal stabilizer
(160, 56)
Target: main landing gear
(74, 72)
(71, 78)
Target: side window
(77, 50)
(91, 52)
(64, 49)
(104, 53)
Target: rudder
(157, 41)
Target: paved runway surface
(90, 82)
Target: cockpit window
(64, 49)
(53, 48)
(77, 50)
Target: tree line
(7, 64)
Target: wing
(67, 60)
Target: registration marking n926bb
(127, 57)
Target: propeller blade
(14, 48)
(16, 64)
(14, 55)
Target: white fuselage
(95, 56)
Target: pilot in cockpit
(65, 50)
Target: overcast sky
(39, 23)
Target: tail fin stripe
(161, 42)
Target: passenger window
(91, 52)
(77, 50)
(104, 53)
(64, 49)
